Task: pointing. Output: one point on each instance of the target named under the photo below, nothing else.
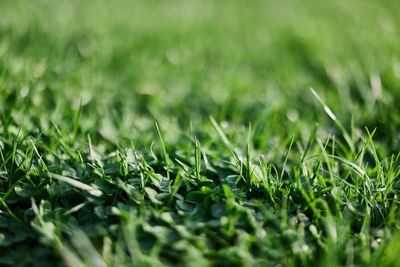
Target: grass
(188, 133)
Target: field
(199, 133)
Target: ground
(199, 133)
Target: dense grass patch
(199, 133)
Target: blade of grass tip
(370, 135)
(166, 158)
(91, 153)
(76, 123)
(75, 208)
(3, 161)
(266, 172)
(121, 159)
(205, 159)
(284, 218)
(394, 171)
(56, 127)
(197, 158)
(360, 156)
(80, 158)
(27, 156)
(378, 165)
(248, 167)
(286, 158)
(91, 190)
(308, 146)
(310, 140)
(93, 156)
(248, 158)
(64, 146)
(225, 140)
(14, 152)
(44, 166)
(228, 145)
(178, 181)
(325, 156)
(329, 112)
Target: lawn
(199, 133)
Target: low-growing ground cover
(199, 133)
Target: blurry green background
(177, 62)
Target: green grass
(199, 133)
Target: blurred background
(130, 63)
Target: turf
(199, 133)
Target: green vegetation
(199, 133)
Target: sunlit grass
(153, 133)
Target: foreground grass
(186, 133)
